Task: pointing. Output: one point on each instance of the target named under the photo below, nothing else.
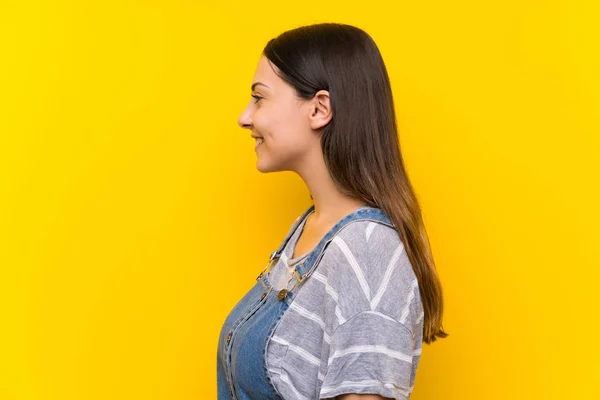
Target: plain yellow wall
(133, 218)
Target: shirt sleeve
(376, 314)
(370, 353)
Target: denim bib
(242, 347)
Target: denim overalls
(241, 355)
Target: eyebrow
(256, 84)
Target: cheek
(271, 121)
(263, 120)
(281, 125)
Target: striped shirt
(355, 325)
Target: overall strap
(277, 253)
(298, 221)
(304, 269)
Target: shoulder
(366, 236)
(366, 244)
(367, 264)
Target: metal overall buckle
(299, 280)
(298, 277)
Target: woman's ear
(320, 110)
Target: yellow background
(133, 218)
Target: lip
(257, 137)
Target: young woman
(343, 305)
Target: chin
(262, 168)
(265, 168)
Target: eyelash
(257, 98)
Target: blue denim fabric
(242, 347)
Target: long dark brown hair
(360, 144)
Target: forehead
(266, 75)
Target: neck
(330, 203)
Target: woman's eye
(256, 97)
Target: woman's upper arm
(373, 351)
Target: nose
(245, 120)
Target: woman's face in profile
(280, 119)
